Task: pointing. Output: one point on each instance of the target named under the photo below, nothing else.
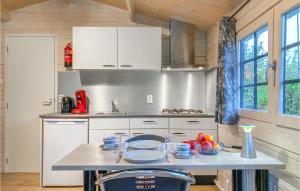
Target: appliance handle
(58, 122)
(126, 66)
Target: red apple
(201, 138)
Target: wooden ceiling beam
(5, 14)
(130, 8)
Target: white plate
(144, 144)
(143, 156)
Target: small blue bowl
(109, 140)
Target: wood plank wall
(279, 141)
(59, 16)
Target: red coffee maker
(81, 102)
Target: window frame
(264, 20)
(278, 117)
(242, 64)
(284, 48)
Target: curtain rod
(239, 9)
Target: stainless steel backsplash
(130, 88)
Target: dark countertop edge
(86, 116)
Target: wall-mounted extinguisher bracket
(68, 55)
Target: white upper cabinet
(95, 48)
(139, 48)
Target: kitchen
(136, 69)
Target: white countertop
(91, 157)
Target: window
(290, 74)
(253, 70)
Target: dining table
(91, 159)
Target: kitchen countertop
(121, 115)
(91, 157)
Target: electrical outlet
(60, 96)
(149, 98)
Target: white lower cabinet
(96, 136)
(182, 129)
(160, 132)
(60, 137)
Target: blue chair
(147, 137)
(145, 180)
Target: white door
(29, 92)
(95, 47)
(139, 48)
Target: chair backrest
(147, 137)
(146, 180)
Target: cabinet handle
(149, 122)
(178, 134)
(108, 65)
(193, 121)
(121, 134)
(126, 66)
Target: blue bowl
(109, 140)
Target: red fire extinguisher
(68, 55)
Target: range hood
(182, 47)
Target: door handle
(46, 103)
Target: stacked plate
(144, 151)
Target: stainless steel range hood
(182, 47)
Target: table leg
(89, 178)
(248, 180)
(262, 180)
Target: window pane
(262, 97)
(249, 97)
(262, 65)
(262, 41)
(291, 29)
(292, 65)
(292, 98)
(249, 73)
(248, 48)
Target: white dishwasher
(60, 137)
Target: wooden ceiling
(202, 13)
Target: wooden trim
(130, 8)
(5, 14)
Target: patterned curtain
(226, 103)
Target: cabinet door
(96, 136)
(95, 47)
(160, 132)
(193, 123)
(109, 123)
(179, 135)
(139, 48)
(148, 123)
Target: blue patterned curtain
(226, 103)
